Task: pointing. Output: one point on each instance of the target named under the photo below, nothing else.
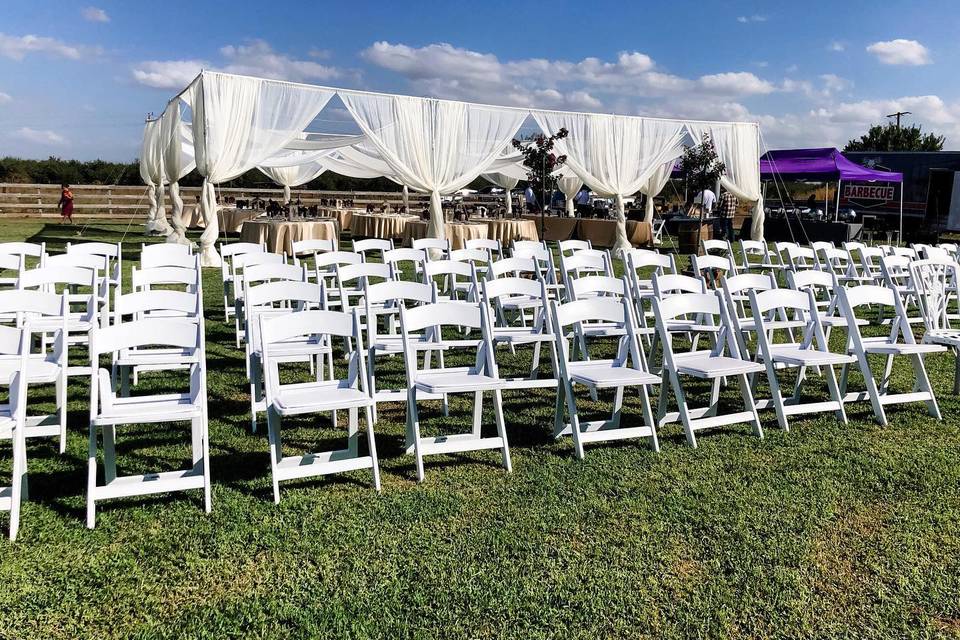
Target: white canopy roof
(433, 146)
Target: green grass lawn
(826, 531)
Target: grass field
(828, 531)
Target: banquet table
(555, 228)
(457, 232)
(506, 230)
(386, 226)
(603, 233)
(281, 234)
(343, 216)
(231, 220)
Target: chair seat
(603, 373)
(455, 381)
(520, 302)
(146, 357)
(39, 369)
(520, 335)
(885, 347)
(691, 325)
(946, 337)
(327, 395)
(172, 407)
(774, 325)
(801, 357)
(703, 365)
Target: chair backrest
(83, 260)
(703, 265)
(267, 272)
(11, 261)
(32, 249)
(437, 244)
(111, 252)
(852, 298)
(896, 271)
(245, 260)
(526, 246)
(186, 260)
(416, 256)
(584, 262)
(145, 279)
(140, 304)
(670, 284)
(57, 276)
(569, 247)
(475, 256)
(756, 248)
(597, 286)
(934, 281)
(800, 258)
(372, 245)
(512, 266)
(277, 297)
(167, 332)
(231, 249)
(603, 310)
(704, 308)
(928, 252)
(307, 248)
(163, 254)
(487, 244)
(720, 246)
(423, 325)
(819, 246)
(786, 303)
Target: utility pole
(897, 116)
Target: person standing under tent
(66, 203)
(530, 198)
(726, 210)
(707, 198)
(582, 201)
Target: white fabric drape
(238, 122)
(614, 155)
(569, 184)
(151, 171)
(738, 146)
(178, 161)
(507, 182)
(288, 177)
(655, 184)
(433, 146)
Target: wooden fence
(123, 202)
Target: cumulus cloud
(735, 83)
(255, 58)
(837, 46)
(39, 136)
(749, 19)
(18, 47)
(5, 98)
(900, 52)
(94, 14)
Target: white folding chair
(735, 291)
(800, 258)
(486, 244)
(712, 268)
(935, 280)
(269, 300)
(434, 248)
(229, 251)
(112, 253)
(372, 247)
(239, 266)
(722, 361)
(12, 423)
(108, 410)
(457, 280)
(325, 270)
(899, 342)
(406, 260)
(186, 279)
(306, 252)
(479, 258)
(539, 252)
(44, 314)
(626, 369)
(291, 399)
(583, 263)
(569, 247)
(811, 351)
(164, 254)
(427, 322)
(766, 260)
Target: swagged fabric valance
(431, 146)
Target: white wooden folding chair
(229, 251)
(108, 410)
(735, 291)
(12, 423)
(506, 330)
(406, 260)
(382, 302)
(479, 258)
(238, 267)
(186, 279)
(163, 254)
(128, 364)
(811, 351)
(722, 361)
(515, 268)
(626, 369)
(539, 252)
(718, 247)
(256, 274)
(935, 280)
(569, 247)
(427, 322)
(672, 284)
(112, 253)
(765, 259)
(325, 270)
(291, 399)
(712, 268)
(96, 264)
(271, 299)
(895, 269)
(434, 248)
(899, 342)
(306, 252)
(486, 244)
(456, 281)
(800, 258)
(62, 279)
(585, 262)
(44, 314)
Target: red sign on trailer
(868, 192)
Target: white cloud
(255, 58)
(837, 46)
(93, 14)
(168, 74)
(735, 83)
(900, 51)
(5, 98)
(749, 19)
(17, 47)
(39, 136)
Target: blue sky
(77, 79)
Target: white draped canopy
(431, 146)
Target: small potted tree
(701, 169)
(541, 162)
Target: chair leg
(750, 405)
(872, 390)
(273, 437)
(956, 372)
(372, 445)
(353, 432)
(61, 391)
(477, 412)
(17, 483)
(777, 396)
(835, 392)
(617, 407)
(648, 417)
(502, 428)
(574, 421)
(923, 382)
(415, 428)
(109, 453)
(91, 476)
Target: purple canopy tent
(823, 165)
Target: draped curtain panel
(178, 161)
(569, 184)
(238, 122)
(433, 146)
(738, 147)
(295, 176)
(506, 182)
(152, 173)
(655, 184)
(614, 155)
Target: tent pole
(836, 213)
(900, 239)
